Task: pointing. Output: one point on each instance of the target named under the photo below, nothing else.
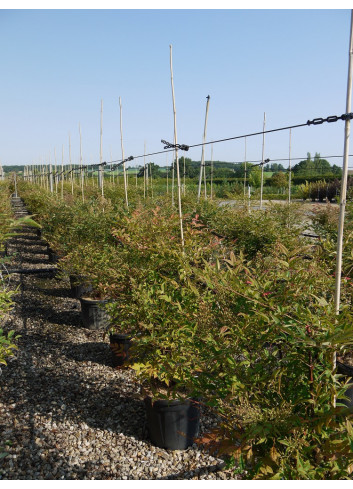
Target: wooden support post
(81, 164)
(262, 161)
(245, 174)
(100, 170)
(211, 171)
(343, 195)
(62, 173)
(290, 169)
(176, 154)
(202, 163)
(122, 152)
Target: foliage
(312, 166)
(271, 375)
(7, 346)
(242, 316)
(279, 179)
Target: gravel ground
(66, 413)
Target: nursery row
(7, 345)
(240, 318)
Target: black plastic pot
(119, 346)
(93, 316)
(347, 371)
(52, 256)
(172, 424)
(79, 287)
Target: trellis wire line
(316, 121)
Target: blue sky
(57, 65)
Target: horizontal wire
(268, 131)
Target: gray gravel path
(65, 411)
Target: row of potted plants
(241, 320)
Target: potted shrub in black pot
(97, 267)
(119, 344)
(164, 359)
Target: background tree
(316, 166)
(279, 180)
(255, 176)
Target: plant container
(172, 424)
(79, 286)
(93, 315)
(119, 346)
(347, 371)
(52, 256)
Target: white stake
(176, 153)
(262, 164)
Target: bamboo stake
(111, 159)
(262, 161)
(122, 151)
(82, 173)
(184, 177)
(245, 175)
(51, 184)
(173, 178)
(71, 172)
(151, 177)
(144, 171)
(166, 156)
(176, 153)
(55, 175)
(290, 170)
(100, 170)
(62, 173)
(147, 174)
(202, 163)
(211, 171)
(343, 196)
(204, 179)
(344, 176)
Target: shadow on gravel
(90, 352)
(22, 239)
(35, 261)
(35, 309)
(61, 397)
(56, 292)
(74, 399)
(37, 251)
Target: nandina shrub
(252, 232)
(270, 371)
